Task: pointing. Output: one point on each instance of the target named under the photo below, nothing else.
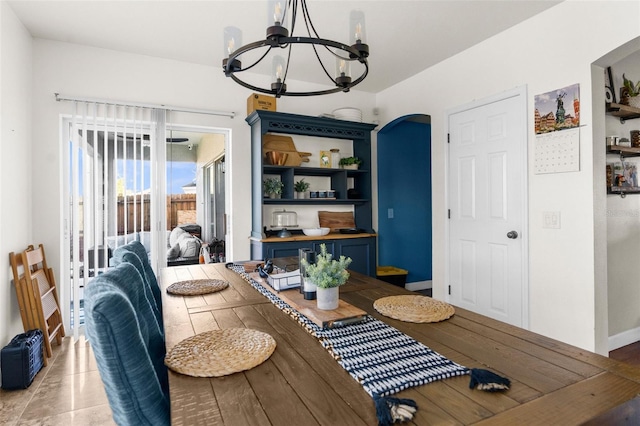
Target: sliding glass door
(129, 175)
(109, 183)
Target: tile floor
(66, 392)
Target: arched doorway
(404, 198)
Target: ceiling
(405, 37)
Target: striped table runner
(380, 357)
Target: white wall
(15, 160)
(74, 70)
(551, 50)
(623, 227)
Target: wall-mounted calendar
(557, 152)
(557, 125)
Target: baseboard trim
(418, 285)
(623, 339)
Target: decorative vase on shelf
(327, 298)
(634, 101)
(335, 158)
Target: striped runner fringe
(381, 358)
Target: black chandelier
(279, 37)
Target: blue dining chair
(128, 347)
(122, 255)
(137, 248)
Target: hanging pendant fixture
(278, 38)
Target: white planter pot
(351, 166)
(327, 298)
(634, 101)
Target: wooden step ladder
(37, 295)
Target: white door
(487, 202)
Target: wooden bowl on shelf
(276, 158)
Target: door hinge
(449, 289)
(448, 213)
(448, 137)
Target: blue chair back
(122, 255)
(128, 347)
(139, 250)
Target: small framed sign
(325, 159)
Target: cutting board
(336, 220)
(345, 313)
(283, 143)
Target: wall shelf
(624, 151)
(623, 190)
(624, 112)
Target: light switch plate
(551, 220)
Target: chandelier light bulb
(358, 32)
(343, 66)
(277, 13)
(279, 73)
(231, 46)
(232, 37)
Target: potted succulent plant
(350, 163)
(273, 187)
(633, 90)
(301, 187)
(328, 275)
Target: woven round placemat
(197, 287)
(220, 352)
(411, 308)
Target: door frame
(228, 205)
(520, 91)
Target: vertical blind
(109, 183)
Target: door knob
(512, 234)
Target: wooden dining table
(552, 383)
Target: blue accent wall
(404, 185)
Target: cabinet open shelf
(338, 182)
(312, 201)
